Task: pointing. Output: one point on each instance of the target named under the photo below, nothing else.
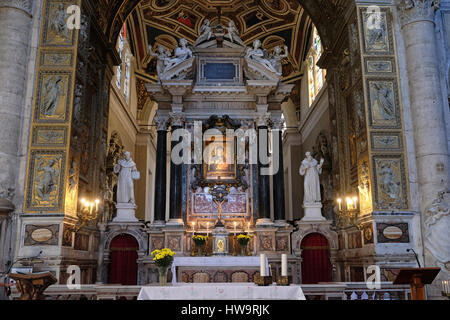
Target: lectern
(32, 285)
(417, 278)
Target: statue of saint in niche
(311, 169)
(126, 168)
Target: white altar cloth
(227, 261)
(221, 291)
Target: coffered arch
(325, 14)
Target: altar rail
(323, 291)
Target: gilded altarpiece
(384, 177)
(52, 174)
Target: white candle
(263, 270)
(284, 265)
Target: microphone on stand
(415, 255)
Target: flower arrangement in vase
(243, 240)
(200, 242)
(163, 259)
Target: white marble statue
(126, 168)
(182, 53)
(163, 57)
(277, 57)
(311, 169)
(233, 33)
(205, 32)
(257, 54)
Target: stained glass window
(123, 71)
(316, 75)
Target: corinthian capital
(416, 10)
(24, 5)
(161, 121)
(177, 119)
(262, 119)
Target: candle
(235, 223)
(207, 227)
(340, 204)
(263, 265)
(193, 225)
(284, 265)
(446, 287)
(248, 229)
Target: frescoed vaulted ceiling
(274, 22)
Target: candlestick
(284, 267)
(263, 269)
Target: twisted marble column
(15, 34)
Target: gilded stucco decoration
(387, 168)
(50, 176)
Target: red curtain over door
(123, 268)
(316, 265)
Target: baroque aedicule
(224, 85)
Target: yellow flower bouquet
(163, 258)
(244, 239)
(200, 240)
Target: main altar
(219, 112)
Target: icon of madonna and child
(219, 165)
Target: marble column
(279, 205)
(15, 37)
(263, 179)
(101, 253)
(161, 171)
(422, 63)
(176, 177)
(431, 148)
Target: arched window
(316, 75)
(123, 71)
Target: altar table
(221, 291)
(227, 261)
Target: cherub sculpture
(163, 56)
(205, 32)
(233, 33)
(257, 54)
(277, 57)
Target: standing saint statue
(126, 168)
(311, 169)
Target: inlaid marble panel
(390, 182)
(46, 178)
(56, 59)
(53, 96)
(377, 30)
(49, 136)
(55, 30)
(236, 205)
(383, 103)
(385, 141)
